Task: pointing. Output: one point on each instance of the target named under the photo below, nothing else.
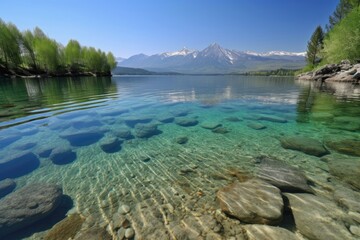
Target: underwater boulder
(82, 138)
(348, 146)
(132, 121)
(304, 144)
(17, 165)
(62, 155)
(6, 186)
(110, 144)
(146, 130)
(256, 126)
(186, 122)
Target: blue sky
(128, 27)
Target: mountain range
(214, 60)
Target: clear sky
(128, 27)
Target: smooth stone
(181, 140)
(355, 230)
(123, 133)
(304, 144)
(186, 122)
(132, 121)
(6, 186)
(347, 146)
(253, 201)
(263, 232)
(270, 118)
(256, 126)
(146, 130)
(62, 155)
(166, 119)
(120, 221)
(121, 233)
(94, 233)
(220, 130)
(82, 138)
(317, 217)
(110, 144)
(280, 174)
(346, 169)
(347, 198)
(17, 165)
(27, 206)
(233, 119)
(210, 125)
(124, 209)
(25, 146)
(129, 233)
(180, 113)
(7, 140)
(66, 229)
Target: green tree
(72, 54)
(314, 47)
(10, 54)
(47, 54)
(111, 60)
(342, 9)
(28, 49)
(343, 41)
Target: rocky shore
(342, 72)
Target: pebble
(355, 230)
(129, 233)
(121, 234)
(124, 209)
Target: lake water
(165, 145)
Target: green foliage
(343, 41)
(342, 9)
(35, 52)
(314, 47)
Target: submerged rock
(44, 152)
(7, 140)
(186, 122)
(347, 146)
(282, 175)
(27, 206)
(347, 198)
(17, 165)
(166, 119)
(180, 113)
(233, 119)
(66, 229)
(123, 133)
(210, 125)
(256, 126)
(25, 146)
(304, 144)
(110, 144)
(262, 232)
(132, 121)
(317, 217)
(62, 155)
(82, 138)
(253, 201)
(146, 130)
(6, 186)
(181, 140)
(346, 169)
(221, 130)
(271, 118)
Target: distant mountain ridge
(215, 59)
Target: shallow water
(167, 184)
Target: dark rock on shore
(27, 206)
(282, 175)
(253, 201)
(342, 72)
(17, 165)
(304, 144)
(146, 130)
(6, 186)
(62, 155)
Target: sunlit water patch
(183, 157)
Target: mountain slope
(215, 59)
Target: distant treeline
(30, 53)
(278, 72)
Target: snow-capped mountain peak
(275, 53)
(183, 52)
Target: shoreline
(342, 72)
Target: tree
(314, 47)
(343, 41)
(342, 9)
(10, 53)
(72, 54)
(111, 60)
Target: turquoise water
(121, 141)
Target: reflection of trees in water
(31, 94)
(327, 98)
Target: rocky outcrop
(253, 201)
(27, 206)
(342, 72)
